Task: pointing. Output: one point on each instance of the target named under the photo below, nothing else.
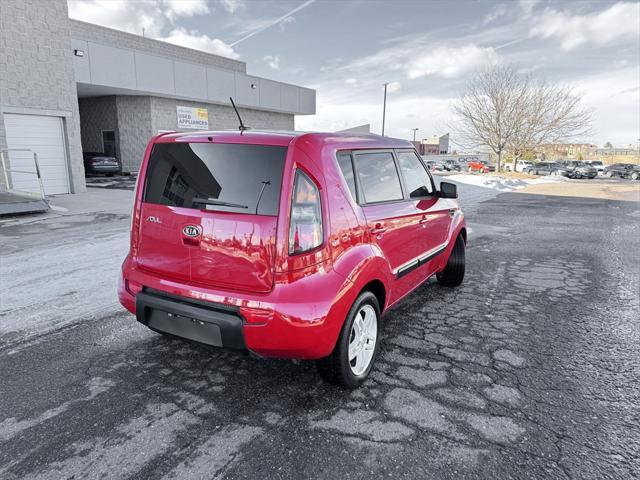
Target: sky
(425, 49)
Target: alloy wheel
(362, 339)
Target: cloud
(393, 87)
(273, 61)
(130, 17)
(402, 115)
(616, 24)
(501, 10)
(452, 62)
(232, 5)
(184, 8)
(153, 16)
(352, 82)
(200, 41)
(283, 24)
(277, 21)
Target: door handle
(378, 229)
(424, 219)
(452, 212)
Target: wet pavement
(530, 369)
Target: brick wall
(134, 129)
(36, 70)
(97, 114)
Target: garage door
(43, 135)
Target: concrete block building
(68, 86)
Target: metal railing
(8, 180)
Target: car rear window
(247, 176)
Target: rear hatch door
(210, 212)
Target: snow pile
(501, 184)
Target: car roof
(343, 140)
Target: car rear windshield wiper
(213, 201)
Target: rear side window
(416, 178)
(346, 167)
(378, 177)
(223, 177)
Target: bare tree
(508, 111)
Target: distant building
(434, 145)
(588, 151)
(560, 151)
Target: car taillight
(305, 228)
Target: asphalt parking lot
(529, 370)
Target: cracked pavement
(531, 369)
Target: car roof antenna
(242, 126)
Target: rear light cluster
(305, 229)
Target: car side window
(346, 167)
(378, 177)
(416, 178)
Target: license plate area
(185, 327)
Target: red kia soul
(287, 245)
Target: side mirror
(448, 190)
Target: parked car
(95, 162)
(542, 168)
(481, 166)
(520, 166)
(597, 164)
(451, 166)
(575, 169)
(622, 170)
(288, 245)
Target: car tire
(609, 174)
(635, 176)
(453, 273)
(338, 368)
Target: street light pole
(384, 106)
(414, 134)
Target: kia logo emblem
(191, 231)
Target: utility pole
(414, 134)
(384, 105)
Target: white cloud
(527, 6)
(393, 87)
(184, 8)
(130, 17)
(451, 62)
(614, 95)
(155, 17)
(200, 41)
(232, 5)
(283, 24)
(352, 82)
(499, 11)
(402, 115)
(133, 16)
(273, 61)
(616, 24)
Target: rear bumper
(300, 318)
(205, 323)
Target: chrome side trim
(419, 260)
